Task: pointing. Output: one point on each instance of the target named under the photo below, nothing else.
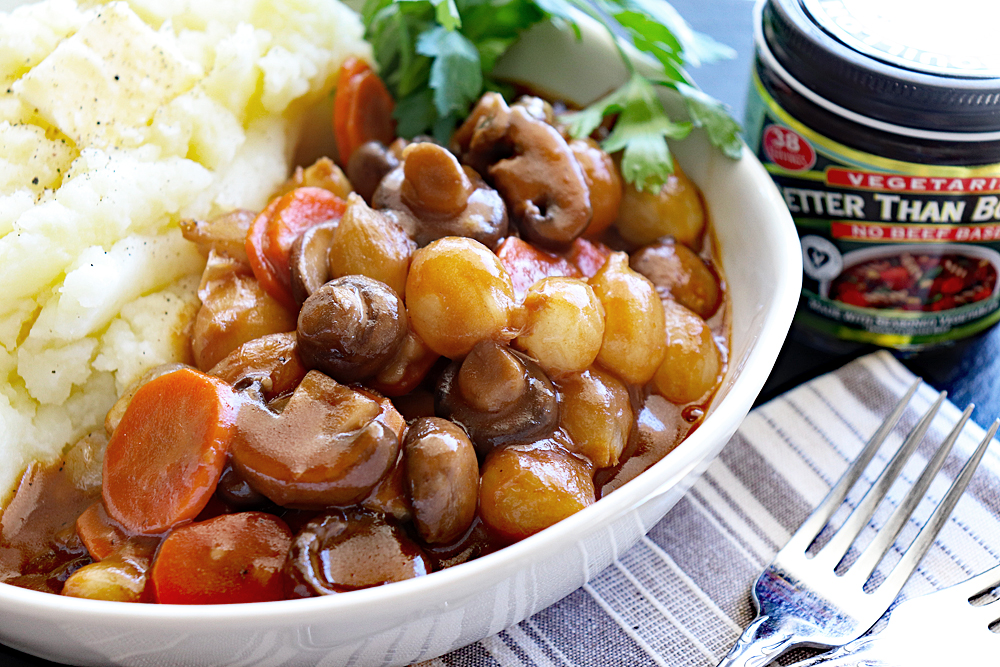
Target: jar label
(894, 253)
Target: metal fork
(954, 626)
(802, 600)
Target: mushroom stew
(394, 370)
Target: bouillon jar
(879, 121)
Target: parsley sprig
(437, 56)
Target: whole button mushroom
(331, 445)
(532, 166)
(679, 274)
(430, 195)
(368, 165)
(349, 550)
(350, 328)
(499, 396)
(442, 474)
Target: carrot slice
(260, 264)
(270, 238)
(165, 458)
(362, 109)
(588, 256)
(231, 558)
(296, 212)
(527, 264)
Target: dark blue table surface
(970, 372)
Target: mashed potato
(117, 120)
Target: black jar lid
(903, 63)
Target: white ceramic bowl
(429, 616)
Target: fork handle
(763, 640)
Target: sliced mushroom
(390, 497)
(407, 369)
(442, 474)
(321, 174)
(479, 141)
(226, 234)
(309, 260)
(532, 166)
(331, 445)
(499, 396)
(236, 493)
(351, 327)
(270, 362)
(367, 167)
(350, 550)
(234, 310)
(430, 195)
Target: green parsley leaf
(655, 39)
(641, 131)
(709, 113)
(456, 76)
(697, 47)
(415, 113)
(436, 57)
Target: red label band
(864, 231)
(868, 180)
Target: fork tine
(858, 519)
(814, 523)
(878, 547)
(925, 538)
(979, 584)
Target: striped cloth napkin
(681, 596)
